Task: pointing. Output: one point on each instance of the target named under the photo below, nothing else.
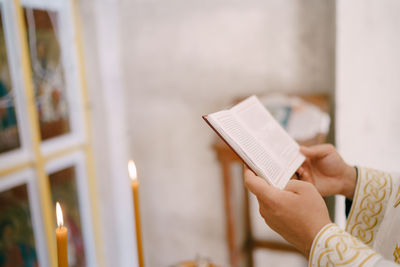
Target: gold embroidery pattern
(373, 193)
(397, 202)
(338, 247)
(396, 254)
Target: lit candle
(135, 191)
(61, 234)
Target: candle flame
(60, 220)
(132, 170)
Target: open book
(258, 139)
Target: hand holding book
(327, 170)
(297, 213)
(258, 139)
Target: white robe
(372, 236)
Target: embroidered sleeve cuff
(371, 196)
(333, 246)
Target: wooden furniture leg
(230, 230)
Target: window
(45, 153)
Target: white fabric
(372, 236)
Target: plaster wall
(105, 80)
(368, 82)
(186, 58)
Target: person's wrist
(314, 234)
(349, 182)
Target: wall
(185, 58)
(368, 82)
(367, 94)
(103, 57)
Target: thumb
(317, 151)
(259, 186)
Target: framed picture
(14, 133)
(22, 241)
(9, 136)
(42, 115)
(68, 184)
(55, 78)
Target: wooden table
(226, 158)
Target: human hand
(326, 169)
(297, 213)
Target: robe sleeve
(335, 247)
(371, 197)
(374, 197)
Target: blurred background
(88, 85)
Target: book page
(232, 129)
(260, 123)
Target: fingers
(301, 171)
(317, 151)
(304, 175)
(297, 186)
(259, 187)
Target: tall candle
(61, 235)
(135, 192)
